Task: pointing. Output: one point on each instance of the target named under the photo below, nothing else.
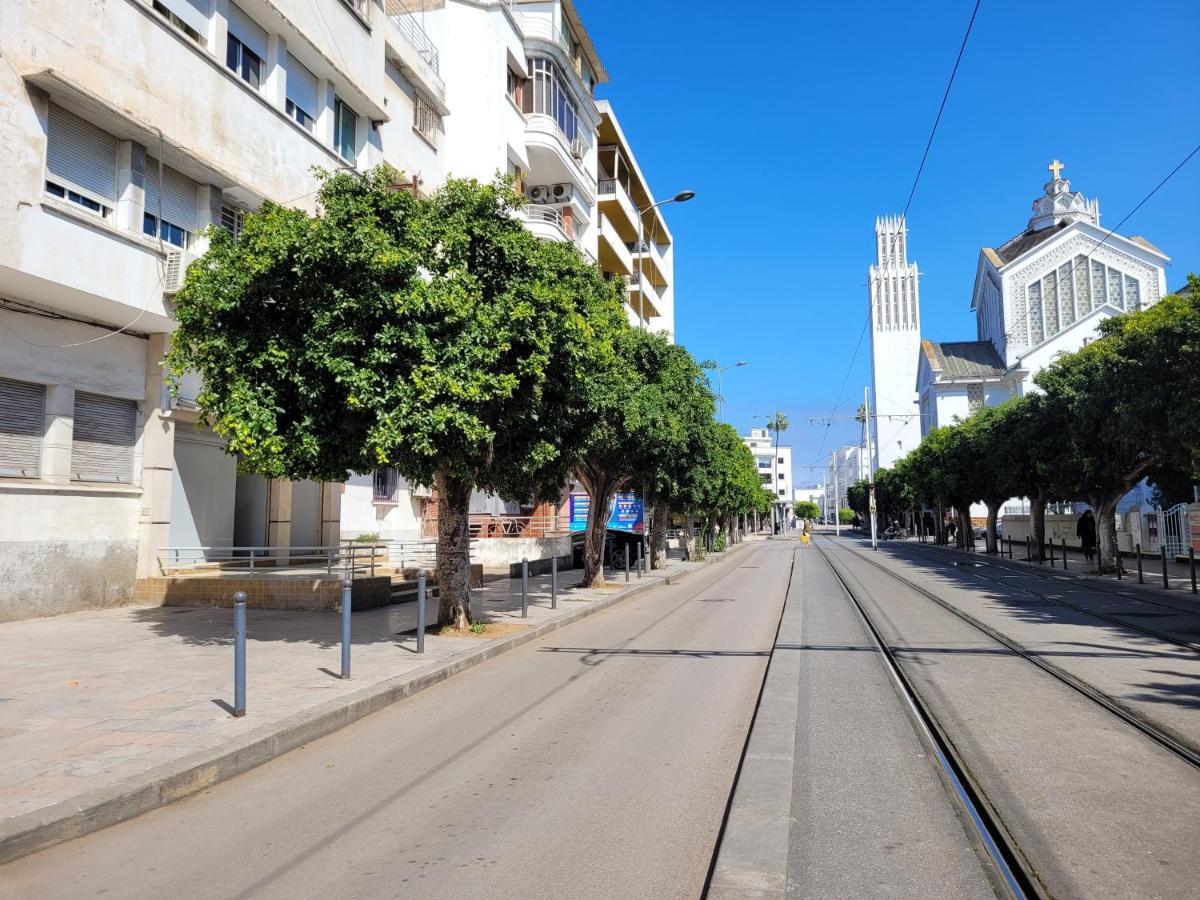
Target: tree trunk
(658, 535)
(966, 534)
(1105, 508)
(453, 551)
(689, 539)
(993, 513)
(1037, 525)
(600, 486)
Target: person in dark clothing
(1085, 530)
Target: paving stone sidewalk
(95, 704)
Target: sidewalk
(107, 714)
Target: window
(516, 88)
(247, 47)
(766, 479)
(345, 124)
(244, 61)
(780, 476)
(172, 212)
(189, 16)
(426, 121)
(975, 398)
(780, 459)
(386, 485)
(232, 219)
(81, 162)
(22, 422)
(301, 90)
(552, 98)
(102, 446)
(169, 232)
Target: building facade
(846, 466)
(134, 127)
(1041, 293)
(774, 466)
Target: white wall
(399, 521)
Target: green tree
(806, 509)
(846, 516)
(436, 336)
(1128, 404)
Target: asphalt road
(594, 762)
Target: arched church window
(1050, 306)
(1037, 331)
(1066, 295)
(1133, 294)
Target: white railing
(549, 215)
(414, 554)
(403, 18)
(540, 121)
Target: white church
(1038, 294)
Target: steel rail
(1035, 573)
(1163, 739)
(1015, 874)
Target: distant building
(774, 464)
(846, 466)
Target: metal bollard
(554, 582)
(239, 654)
(639, 560)
(1166, 580)
(1192, 566)
(420, 610)
(1028, 548)
(626, 562)
(1137, 549)
(347, 593)
(1120, 568)
(1064, 550)
(524, 588)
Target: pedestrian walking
(1085, 530)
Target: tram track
(1012, 872)
(1033, 573)
(1167, 741)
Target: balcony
(617, 206)
(642, 296)
(648, 257)
(414, 51)
(548, 223)
(614, 255)
(553, 158)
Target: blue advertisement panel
(626, 514)
(580, 504)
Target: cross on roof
(1055, 168)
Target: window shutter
(178, 196)
(249, 32)
(302, 86)
(195, 12)
(81, 155)
(102, 447)
(22, 422)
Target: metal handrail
(347, 556)
(403, 18)
(486, 525)
(606, 186)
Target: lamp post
(720, 388)
(643, 322)
(681, 197)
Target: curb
(85, 813)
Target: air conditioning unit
(563, 192)
(173, 278)
(578, 148)
(420, 492)
(539, 193)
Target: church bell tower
(895, 308)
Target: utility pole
(870, 466)
(837, 499)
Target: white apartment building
(846, 466)
(774, 464)
(132, 126)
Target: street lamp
(681, 197)
(720, 390)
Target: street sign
(580, 504)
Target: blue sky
(798, 123)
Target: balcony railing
(404, 20)
(485, 525)
(607, 186)
(549, 215)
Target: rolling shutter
(102, 446)
(22, 422)
(301, 86)
(195, 12)
(81, 155)
(178, 196)
(249, 32)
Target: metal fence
(486, 525)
